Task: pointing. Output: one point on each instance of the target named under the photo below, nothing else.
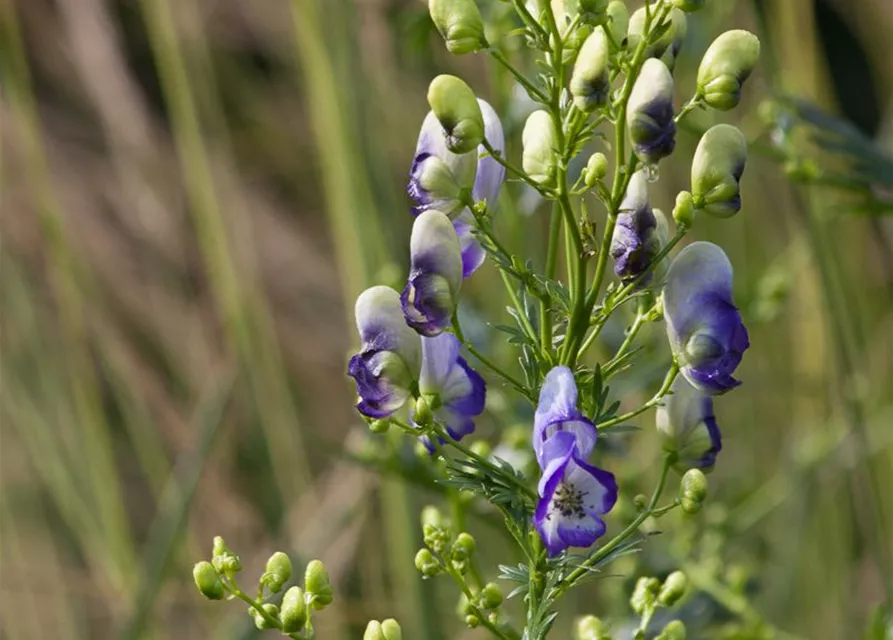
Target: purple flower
(387, 365)
(649, 113)
(573, 496)
(634, 242)
(432, 292)
(439, 178)
(703, 324)
(688, 427)
(455, 392)
(556, 412)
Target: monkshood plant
(601, 69)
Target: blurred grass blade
(167, 528)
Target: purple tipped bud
(703, 325)
(590, 82)
(716, 171)
(432, 292)
(729, 61)
(649, 113)
(688, 428)
(634, 240)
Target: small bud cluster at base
(644, 594)
(693, 491)
(317, 585)
(590, 628)
(673, 631)
(387, 629)
(673, 589)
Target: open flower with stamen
(703, 324)
(386, 367)
(432, 291)
(454, 392)
(634, 240)
(573, 496)
(688, 427)
(556, 412)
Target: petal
(381, 325)
(473, 253)
(557, 412)
(700, 268)
(599, 487)
(580, 532)
(380, 388)
(434, 248)
(456, 423)
(557, 453)
(465, 390)
(490, 173)
(439, 356)
(432, 141)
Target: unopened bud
(694, 485)
(293, 613)
(644, 594)
(457, 109)
(316, 582)
(728, 62)
(422, 415)
(618, 21)
(590, 82)
(684, 211)
(427, 564)
(380, 426)
(460, 24)
(464, 543)
(673, 631)
(224, 560)
(688, 5)
(672, 589)
(482, 448)
(491, 596)
(278, 571)
(472, 621)
(596, 169)
(207, 580)
(538, 158)
(689, 506)
(649, 113)
(716, 171)
(385, 630)
(262, 622)
(670, 41)
(590, 628)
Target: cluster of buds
(651, 594)
(216, 580)
(484, 602)
(443, 550)
(692, 491)
(591, 628)
(387, 629)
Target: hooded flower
(557, 412)
(438, 177)
(634, 242)
(454, 392)
(573, 496)
(590, 81)
(432, 292)
(649, 113)
(716, 171)
(728, 62)
(387, 365)
(703, 325)
(686, 423)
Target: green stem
(457, 330)
(230, 585)
(664, 390)
(551, 267)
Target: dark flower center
(568, 500)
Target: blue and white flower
(573, 496)
(688, 427)
(704, 326)
(556, 412)
(634, 242)
(432, 291)
(454, 392)
(386, 367)
(649, 113)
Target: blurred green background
(193, 193)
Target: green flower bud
(672, 589)
(465, 544)
(673, 631)
(457, 109)
(644, 594)
(716, 171)
(278, 571)
(224, 560)
(460, 24)
(316, 582)
(688, 5)
(427, 564)
(482, 448)
(293, 613)
(694, 485)
(618, 21)
(261, 622)
(574, 42)
(538, 158)
(472, 621)
(684, 211)
(590, 82)
(379, 427)
(422, 415)
(590, 628)
(640, 501)
(596, 169)
(220, 547)
(207, 580)
(669, 41)
(491, 596)
(385, 630)
(689, 506)
(729, 61)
